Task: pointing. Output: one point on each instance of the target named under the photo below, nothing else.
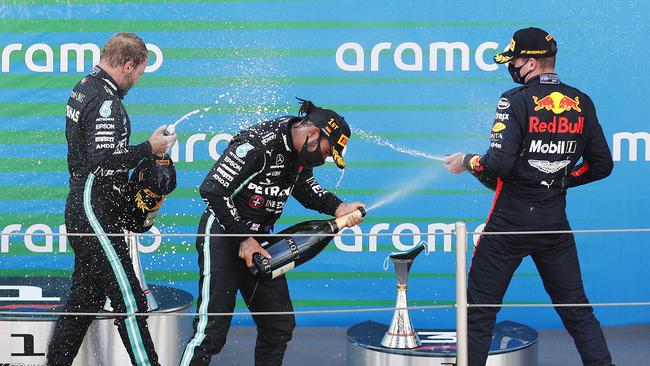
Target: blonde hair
(547, 62)
(124, 47)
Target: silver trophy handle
(132, 243)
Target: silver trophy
(132, 243)
(401, 333)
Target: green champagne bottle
(289, 251)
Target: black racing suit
(541, 131)
(99, 159)
(246, 191)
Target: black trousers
(222, 274)
(495, 260)
(102, 268)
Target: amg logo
(221, 181)
(558, 147)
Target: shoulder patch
(242, 150)
(105, 109)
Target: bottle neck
(341, 222)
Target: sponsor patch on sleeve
(504, 103)
(242, 150)
(105, 109)
(498, 127)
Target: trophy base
(513, 344)
(24, 339)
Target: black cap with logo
(529, 43)
(332, 126)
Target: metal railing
(461, 303)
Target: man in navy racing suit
(541, 131)
(246, 191)
(99, 158)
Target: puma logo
(548, 185)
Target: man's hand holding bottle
(160, 142)
(346, 208)
(249, 247)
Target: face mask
(310, 159)
(515, 73)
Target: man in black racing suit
(99, 159)
(245, 192)
(541, 131)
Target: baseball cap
(332, 125)
(528, 42)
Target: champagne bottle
(169, 129)
(288, 251)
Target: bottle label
(293, 248)
(282, 270)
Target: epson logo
(632, 139)
(558, 147)
(39, 57)
(408, 56)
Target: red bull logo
(556, 125)
(557, 103)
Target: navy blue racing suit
(540, 133)
(246, 191)
(99, 159)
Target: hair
(124, 47)
(302, 123)
(547, 62)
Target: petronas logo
(242, 150)
(105, 110)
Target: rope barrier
(315, 312)
(299, 312)
(524, 305)
(585, 231)
(24, 314)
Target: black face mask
(515, 73)
(310, 159)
